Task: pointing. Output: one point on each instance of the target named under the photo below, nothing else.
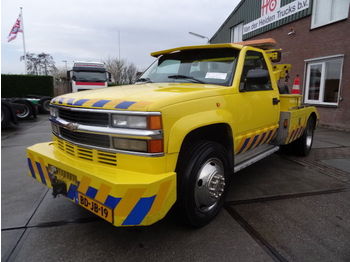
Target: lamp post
(200, 36)
(65, 61)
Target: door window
(254, 61)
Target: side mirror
(255, 77)
(109, 77)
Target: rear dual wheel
(5, 117)
(203, 178)
(26, 110)
(44, 105)
(302, 145)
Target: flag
(17, 28)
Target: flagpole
(24, 43)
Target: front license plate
(95, 207)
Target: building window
(237, 33)
(323, 81)
(328, 11)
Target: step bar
(254, 159)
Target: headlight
(139, 122)
(53, 111)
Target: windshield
(207, 66)
(88, 76)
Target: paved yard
(283, 208)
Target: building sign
(272, 11)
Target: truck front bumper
(122, 197)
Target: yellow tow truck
(195, 117)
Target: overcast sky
(88, 30)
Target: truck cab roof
(266, 43)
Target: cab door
(257, 103)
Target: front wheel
(203, 178)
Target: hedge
(23, 85)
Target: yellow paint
(102, 193)
(112, 103)
(128, 201)
(46, 175)
(91, 102)
(84, 184)
(32, 160)
(161, 196)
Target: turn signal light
(154, 122)
(155, 146)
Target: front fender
(188, 123)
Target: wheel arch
(219, 132)
(314, 117)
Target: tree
(131, 72)
(121, 71)
(40, 64)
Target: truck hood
(145, 97)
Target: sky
(85, 30)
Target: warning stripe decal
(133, 207)
(100, 103)
(255, 140)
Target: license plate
(95, 207)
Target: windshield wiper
(144, 80)
(186, 77)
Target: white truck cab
(88, 76)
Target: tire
(5, 117)
(303, 145)
(27, 111)
(44, 105)
(203, 179)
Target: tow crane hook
(58, 186)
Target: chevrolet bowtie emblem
(72, 126)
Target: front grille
(81, 117)
(88, 154)
(86, 138)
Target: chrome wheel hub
(309, 136)
(210, 184)
(24, 113)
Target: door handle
(275, 101)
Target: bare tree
(131, 72)
(121, 71)
(40, 64)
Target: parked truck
(196, 116)
(88, 76)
